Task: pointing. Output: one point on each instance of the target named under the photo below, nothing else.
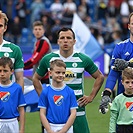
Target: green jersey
(8, 49)
(121, 111)
(76, 64)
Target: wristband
(106, 93)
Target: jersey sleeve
(113, 75)
(43, 100)
(113, 116)
(43, 66)
(89, 65)
(41, 49)
(19, 63)
(73, 100)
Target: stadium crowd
(103, 17)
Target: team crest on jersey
(69, 75)
(74, 64)
(6, 54)
(58, 100)
(129, 106)
(4, 96)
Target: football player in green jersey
(76, 64)
(11, 50)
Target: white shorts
(9, 125)
(57, 127)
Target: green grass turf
(98, 123)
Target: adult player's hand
(83, 101)
(105, 101)
(120, 64)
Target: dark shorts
(124, 129)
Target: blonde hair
(57, 62)
(3, 16)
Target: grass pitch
(98, 123)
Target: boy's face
(38, 31)
(128, 85)
(58, 74)
(5, 74)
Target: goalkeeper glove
(120, 64)
(105, 101)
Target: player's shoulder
(125, 42)
(17, 86)
(118, 97)
(10, 45)
(50, 56)
(80, 55)
(69, 88)
(46, 89)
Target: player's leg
(81, 125)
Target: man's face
(66, 40)
(38, 31)
(2, 27)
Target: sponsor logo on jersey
(129, 106)
(69, 75)
(4, 96)
(58, 100)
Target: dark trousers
(124, 129)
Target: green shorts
(81, 125)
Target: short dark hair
(66, 29)
(57, 62)
(6, 61)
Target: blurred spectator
(9, 9)
(56, 27)
(56, 9)
(83, 10)
(69, 8)
(131, 5)
(112, 24)
(47, 23)
(21, 11)
(112, 10)
(124, 8)
(36, 7)
(98, 36)
(124, 27)
(108, 48)
(16, 30)
(102, 11)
